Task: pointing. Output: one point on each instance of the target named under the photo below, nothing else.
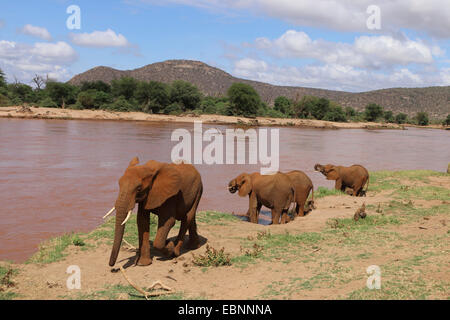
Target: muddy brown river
(60, 176)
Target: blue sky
(311, 43)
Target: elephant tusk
(110, 211)
(128, 217)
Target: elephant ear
(246, 186)
(332, 174)
(166, 184)
(134, 162)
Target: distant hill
(215, 82)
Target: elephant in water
(303, 186)
(354, 177)
(172, 192)
(276, 192)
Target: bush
(125, 87)
(244, 100)
(373, 112)
(173, 109)
(96, 85)
(446, 122)
(350, 112)
(336, 114)
(121, 104)
(47, 103)
(4, 101)
(422, 119)
(61, 93)
(2, 79)
(153, 96)
(273, 113)
(283, 105)
(389, 117)
(401, 118)
(93, 99)
(185, 94)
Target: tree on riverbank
(129, 94)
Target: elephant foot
(144, 261)
(177, 251)
(169, 249)
(193, 244)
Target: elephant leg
(357, 190)
(301, 200)
(285, 217)
(180, 237)
(254, 208)
(339, 185)
(165, 223)
(143, 223)
(276, 214)
(194, 241)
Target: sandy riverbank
(68, 114)
(323, 255)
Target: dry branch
(147, 294)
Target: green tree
(446, 121)
(244, 100)
(186, 94)
(93, 99)
(373, 112)
(153, 96)
(336, 114)
(283, 105)
(389, 116)
(422, 119)
(96, 85)
(124, 87)
(21, 92)
(303, 108)
(401, 118)
(320, 108)
(350, 112)
(61, 93)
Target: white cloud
(39, 32)
(431, 16)
(366, 52)
(23, 61)
(337, 77)
(100, 39)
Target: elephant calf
(303, 186)
(354, 177)
(276, 192)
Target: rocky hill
(215, 82)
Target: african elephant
(172, 192)
(354, 177)
(303, 186)
(276, 192)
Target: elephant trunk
(318, 167)
(122, 208)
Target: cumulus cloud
(100, 39)
(34, 31)
(431, 16)
(365, 52)
(23, 60)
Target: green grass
(215, 218)
(7, 283)
(325, 192)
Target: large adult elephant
(172, 192)
(276, 192)
(303, 186)
(354, 177)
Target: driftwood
(147, 294)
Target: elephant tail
(367, 184)
(313, 206)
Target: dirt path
(323, 255)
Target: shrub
(96, 85)
(121, 104)
(244, 100)
(373, 112)
(173, 109)
(125, 87)
(61, 93)
(47, 103)
(350, 112)
(422, 119)
(185, 94)
(446, 122)
(153, 96)
(212, 257)
(401, 118)
(283, 105)
(93, 99)
(336, 113)
(389, 117)
(272, 113)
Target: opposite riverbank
(69, 114)
(323, 255)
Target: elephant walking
(303, 186)
(172, 192)
(354, 177)
(276, 192)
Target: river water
(59, 176)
